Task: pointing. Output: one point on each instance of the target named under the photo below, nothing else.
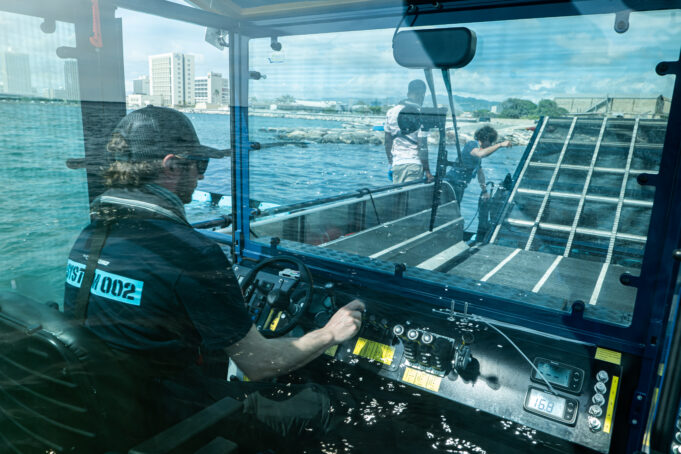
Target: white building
(16, 73)
(212, 89)
(134, 101)
(171, 76)
(71, 89)
(140, 86)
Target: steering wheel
(273, 300)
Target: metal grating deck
(576, 218)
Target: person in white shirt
(405, 142)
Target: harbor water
(45, 204)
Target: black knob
(442, 353)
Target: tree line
(523, 108)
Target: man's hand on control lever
(262, 358)
(346, 322)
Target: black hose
(371, 196)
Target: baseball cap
(154, 132)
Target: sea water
(45, 204)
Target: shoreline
(359, 129)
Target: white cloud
(544, 85)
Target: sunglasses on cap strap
(201, 162)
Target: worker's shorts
(403, 173)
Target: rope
(371, 196)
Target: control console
(567, 390)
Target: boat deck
(546, 274)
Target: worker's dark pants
(273, 414)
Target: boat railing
(336, 198)
(225, 221)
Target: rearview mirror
(442, 48)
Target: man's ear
(170, 164)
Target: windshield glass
(44, 203)
(45, 191)
(553, 128)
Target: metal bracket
(217, 38)
(48, 25)
(647, 179)
(637, 409)
(274, 242)
(630, 280)
(577, 310)
(622, 21)
(668, 67)
(676, 254)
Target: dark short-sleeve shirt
(161, 289)
(471, 163)
(463, 172)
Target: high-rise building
(71, 87)
(140, 86)
(16, 73)
(171, 76)
(211, 89)
(225, 92)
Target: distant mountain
(463, 103)
(470, 104)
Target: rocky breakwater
(365, 135)
(328, 135)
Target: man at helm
(161, 292)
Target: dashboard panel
(563, 389)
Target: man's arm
(484, 152)
(423, 157)
(389, 147)
(262, 358)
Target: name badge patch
(107, 285)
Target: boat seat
(61, 388)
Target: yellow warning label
(275, 322)
(331, 351)
(609, 356)
(611, 405)
(660, 369)
(422, 379)
(374, 350)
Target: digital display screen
(546, 403)
(554, 373)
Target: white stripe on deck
(599, 284)
(414, 238)
(546, 275)
(499, 266)
(443, 257)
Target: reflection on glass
(559, 214)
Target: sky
(532, 59)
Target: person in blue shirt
(471, 161)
